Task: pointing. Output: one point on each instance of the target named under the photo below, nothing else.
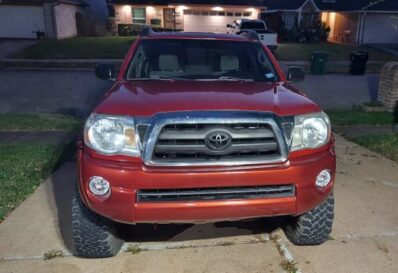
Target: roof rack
(249, 34)
(146, 31)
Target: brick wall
(388, 86)
(66, 20)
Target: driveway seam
(264, 238)
(285, 253)
(386, 234)
(185, 245)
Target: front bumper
(126, 177)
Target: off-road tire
(313, 227)
(93, 235)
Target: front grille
(189, 143)
(209, 194)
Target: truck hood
(146, 98)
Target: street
(75, 92)
(66, 92)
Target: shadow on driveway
(64, 179)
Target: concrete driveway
(10, 46)
(364, 237)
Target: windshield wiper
(157, 77)
(229, 78)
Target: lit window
(139, 16)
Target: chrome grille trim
(159, 121)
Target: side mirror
(105, 71)
(295, 74)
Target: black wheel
(93, 235)
(313, 227)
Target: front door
(169, 18)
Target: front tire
(313, 227)
(93, 235)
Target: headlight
(111, 135)
(310, 131)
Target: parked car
(266, 36)
(202, 128)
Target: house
(195, 15)
(351, 21)
(55, 18)
(288, 14)
(361, 21)
(95, 17)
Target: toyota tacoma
(202, 127)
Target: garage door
(210, 22)
(20, 21)
(381, 29)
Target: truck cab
(266, 36)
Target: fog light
(323, 179)
(99, 186)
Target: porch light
(182, 7)
(126, 9)
(150, 9)
(217, 9)
(251, 10)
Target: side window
(265, 65)
(136, 66)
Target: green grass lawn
(337, 52)
(14, 122)
(22, 168)
(357, 116)
(386, 145)
(78, 48)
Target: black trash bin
(319, 61)
(359, 60)
(40, 35)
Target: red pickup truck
(202, 127)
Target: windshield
(183, 59)
(252, 25)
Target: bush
(318, 32)
(156, 22)
(135, 29)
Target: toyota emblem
(218, 141)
